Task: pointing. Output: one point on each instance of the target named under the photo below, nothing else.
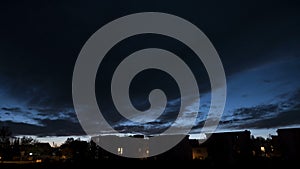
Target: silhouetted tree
(25, 140)
(16, 148)
(5, 135)
(93, 150)
(75, 150)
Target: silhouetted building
(289, 141)
(199, 151)
(275, 147)
(139, 148)
(229, 146)
(181, 151)
(123, 146)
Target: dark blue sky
(258, 43)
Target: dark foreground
(150, 163)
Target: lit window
(262, 149)
(120, 151)
(147, 151)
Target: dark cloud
(278, 115)
(40, 121)
(40, 42)
(14, 109)
(256, 112)
(37, 116)
(51, 128)
(288, 118)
